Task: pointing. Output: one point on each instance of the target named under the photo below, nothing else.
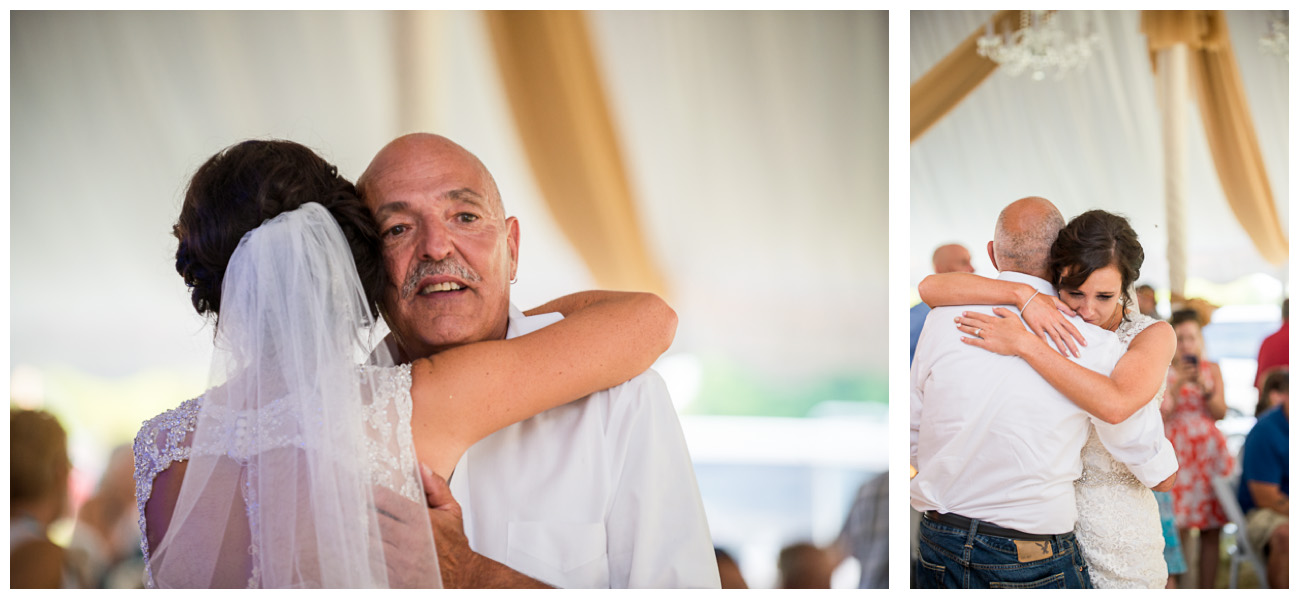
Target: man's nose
(436, 243)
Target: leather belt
(984, 527)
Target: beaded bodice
(167, 439)
(1099, 468)
(1119, 525)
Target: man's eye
(466, 217)
(395, 230)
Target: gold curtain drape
(558, 101)
(947, 83)
(1225, 114)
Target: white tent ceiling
(1091, 140)
(755, 142)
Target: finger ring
(978, 330)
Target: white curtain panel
(757, 146)
(1091, 140)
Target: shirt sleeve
(1139, 442)
(657, 532)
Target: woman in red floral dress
(1193, 402)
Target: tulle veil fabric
(280, 487)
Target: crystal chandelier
(1039, 45)
(1277, 41)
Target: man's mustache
(447, 266)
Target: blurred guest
(38, 495)
(1147, 301)
(1193, 402)
(946, 259)
(729, 571)
(866, 533)
(804, 566)
(1274, 351)
(1264, 492)
(1274, 390)
(105, 546)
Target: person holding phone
(1193, 402)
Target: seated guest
(1265, 483)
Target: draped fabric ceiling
(1092, 140)
(749, 153)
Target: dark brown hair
(244, 185)
(1279, 380)
(1095, 240)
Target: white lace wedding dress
(1119, 521)
(167, 439)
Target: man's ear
(992, 258)
(512, 244)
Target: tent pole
(1172, 90)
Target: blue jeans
(952, 557)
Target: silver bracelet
(1031, 299)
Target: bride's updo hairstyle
(1095, 240)
(246, 184)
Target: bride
(282, 473)
(1096, 259)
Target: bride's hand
(1003, 334)
(1044, 316)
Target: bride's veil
(280, 487)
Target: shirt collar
(519, 324)
(1042, 285)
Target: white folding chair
(1239, 550)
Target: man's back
(580, 495)
(991, 439)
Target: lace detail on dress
(165, 439)
(160, 442)
(1119, 521)
(389, 444)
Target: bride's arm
(1130, 386)
(955, 289)
(1041, 312)
(567, 305)
(463, 394)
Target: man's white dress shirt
(992, 440)
(597, 493)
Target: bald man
(948, 258)
(597, 493)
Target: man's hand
(407, 553)
(1167, 484)
(462, 567)
(454, 553)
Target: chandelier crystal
(1277, 42)
(1038, 46)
